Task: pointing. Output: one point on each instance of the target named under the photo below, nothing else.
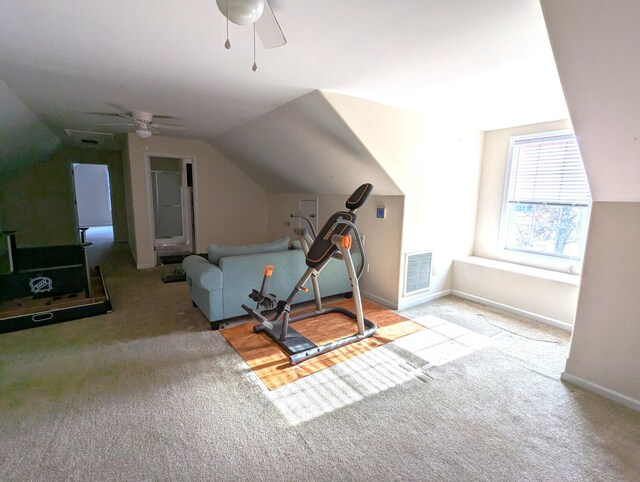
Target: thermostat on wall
(381, 212)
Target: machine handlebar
(313, 230)
(359, 242)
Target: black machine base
(298, 346)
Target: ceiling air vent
(89, 138)
(417, 272)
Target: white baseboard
(602, 391)
(517, 311)
(381, 301)
(145, 266)
(421, 298)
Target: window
(547, 198)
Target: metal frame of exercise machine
(332, 242)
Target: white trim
(516, 311)
(315, 219)
(145, 266)
(618, 397)
(150, 220)
(422, 298)
(196, 211)
(381, 301)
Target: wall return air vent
(417, 272)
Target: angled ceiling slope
(24, 139)
(596, 47)
(304, 146)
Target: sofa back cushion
(216, 252)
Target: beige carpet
(149, 393)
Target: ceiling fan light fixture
(144, 133)
(241, 12)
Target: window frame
(534, 259)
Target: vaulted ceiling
(485, 62)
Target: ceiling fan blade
(126, 116)
(117, 107)
(269, 29)
(168, 126)
(165, 117)
(110, 114)
(125, 125)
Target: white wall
(230, 207)
(304, 146)
(436, 164)
(93, 196)
(39, 202)
(605, 347)
(595, 45)
(547, 296)
(382, 236)
(128, 199)
(24, 139)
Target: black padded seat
(322, 249)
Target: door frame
(301, 223)
(149, 192)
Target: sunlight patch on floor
(372, 372)
(328, 390)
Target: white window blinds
(548, 170)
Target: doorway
(309, 209)
(172, 205)
(92, 189)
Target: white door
(309, 209)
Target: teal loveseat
(221, 283)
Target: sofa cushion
(216, 252)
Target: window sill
(546, 274)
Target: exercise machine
(333, 242)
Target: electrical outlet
(287, 223)
(367, 267)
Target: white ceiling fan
(256, 12)
(143, 121)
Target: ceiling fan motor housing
(241, 12)
(142, 116)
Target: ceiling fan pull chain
(227, 44)
(255, 67)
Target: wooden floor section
(271, 364)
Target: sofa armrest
(204, 274)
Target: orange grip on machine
(305, 289)
(346, 241)
(268, 270)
